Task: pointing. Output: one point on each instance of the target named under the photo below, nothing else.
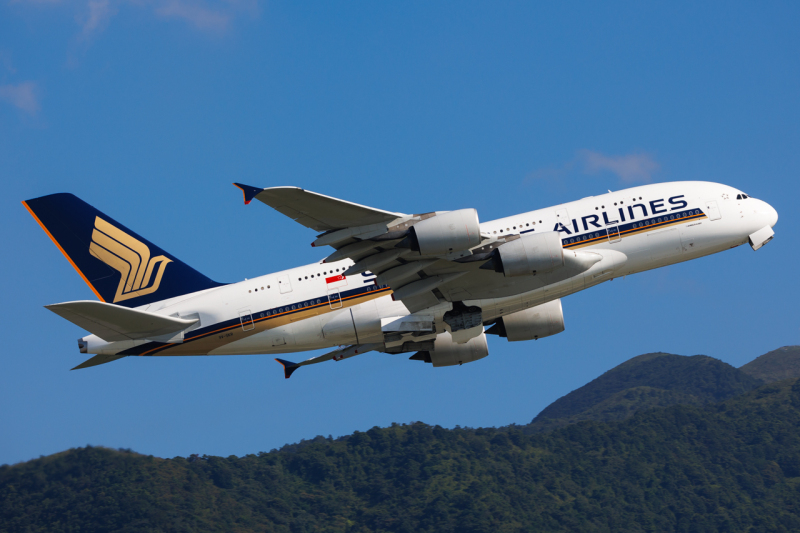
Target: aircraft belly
(300, 335)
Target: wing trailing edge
(336, 355)
(98, 360)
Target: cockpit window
(741, 196)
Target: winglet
(248, 191)
(288, 367)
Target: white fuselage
(304, 308)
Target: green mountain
(780, 364)
(646, 382)
(730, 466)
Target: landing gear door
(284, 284)
(712, 210)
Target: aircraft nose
(770, 213)
(764, 213)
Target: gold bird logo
(130, 257)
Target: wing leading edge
(317, 211)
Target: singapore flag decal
(336, 281)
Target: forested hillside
(777, 365)
(730, 466)
(646, 382)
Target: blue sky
(149, 109)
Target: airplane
(421, 284)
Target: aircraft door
(246, 318)
(334, 298)
(284, 284)
(613, 234)
(712, 210)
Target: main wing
(421, 257)
(316, 211)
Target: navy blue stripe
(259, 316)
(632, 228)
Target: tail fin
(118, 265)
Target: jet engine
(446, 352)
(530, 324)
(446, 232)
(538, 253)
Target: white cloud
(100, 12)
(629, 168)
(35, 1)
(5, 61)
(22, 96)
(215, 16)
(195, 14)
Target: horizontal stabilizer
(116, 323)
(98, 360)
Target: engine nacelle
(538, 254)
(531, 254)
(531, 324)
(445, 233)
(446, 352)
